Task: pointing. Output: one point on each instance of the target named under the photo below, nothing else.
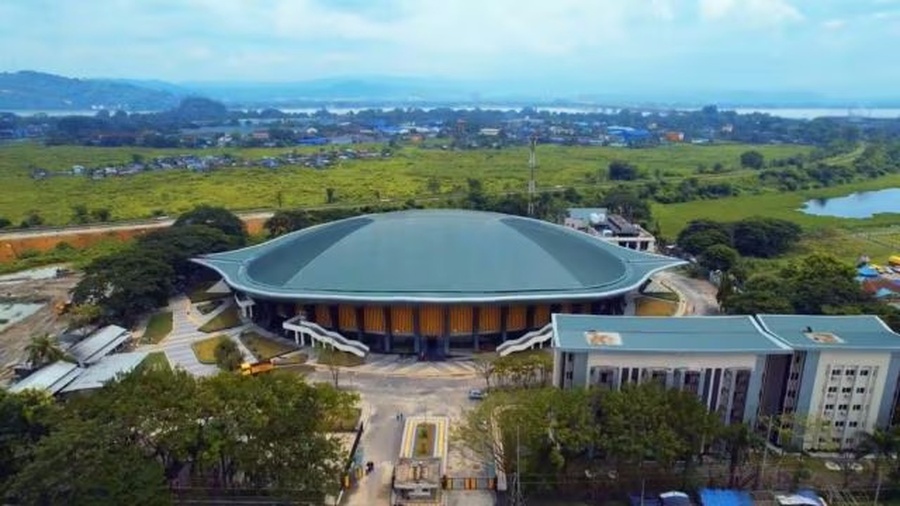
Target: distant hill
(37, 90)
(363, 89)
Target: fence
(478, 483)
(353, 469)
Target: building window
(568, 375)
(857, 407)
(847, 390)
(832, 390)
(839, 423)
(836, 372)
(864, 372)
(842, 407)
(829, 407)
(795, 375)
(604, 377)
(861, 390)
(836, 440)
(851, 372)
(853, 424)
(791, 394)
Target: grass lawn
(227, 319)
(159, 326)
(646, 306)
(340, 358)
(671, 296)
(347, 422)
(156, 360)
(210, 306)
(423, 444)
(402, 176)
(200, 294)
(205, 350)
(264, 348)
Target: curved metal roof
(436, 256)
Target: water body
(14, 312)
(856, 205)
(785, 112)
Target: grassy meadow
(847, 238)
(400, 177)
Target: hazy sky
(829, 46)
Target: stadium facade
(430, 281)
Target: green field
(404, 175)
(846, 238)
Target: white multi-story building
(720, 359)
(835, 376)
(842, 378)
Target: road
(386, 397)
(698, 294)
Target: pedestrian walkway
(185, 322)
(396, 365)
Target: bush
(228, 355)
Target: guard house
(597, 221)
(417, 482)
(721, 359)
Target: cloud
(834, 24)
(755, 11)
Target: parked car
(476, 394)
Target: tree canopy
(126, 442)
(755, 236)
(215, 217)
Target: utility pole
(765, 456)
(517, 499)
(532, 164)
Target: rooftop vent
(598, 338)
(823, 338)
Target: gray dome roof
(436, 255)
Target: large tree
(215, 217)
(177, 245)
(126, 285)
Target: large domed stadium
(429, 281)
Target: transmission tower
(532, 164)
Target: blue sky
(834, 47)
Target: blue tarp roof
(867, 272)
(718, 497)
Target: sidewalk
(407, 367)
(185, 322)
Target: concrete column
(530, 310)
(445, 335)
(476, 314)
(504, 314)
(388, 329)
(417, 334)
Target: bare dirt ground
(14, 339)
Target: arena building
(430, 281)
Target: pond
(856, 205)
(14, 312)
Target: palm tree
(43, 350)
(739, 441)
(883, 444)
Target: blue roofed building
(721, 359)
(842, 376)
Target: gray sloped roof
(51, 378)
(689, 334)
(99, 344)
(815, 332)
(104, 370)
(436, 255)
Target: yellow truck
(248, 369)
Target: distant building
(597, 221)
(837, 376)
